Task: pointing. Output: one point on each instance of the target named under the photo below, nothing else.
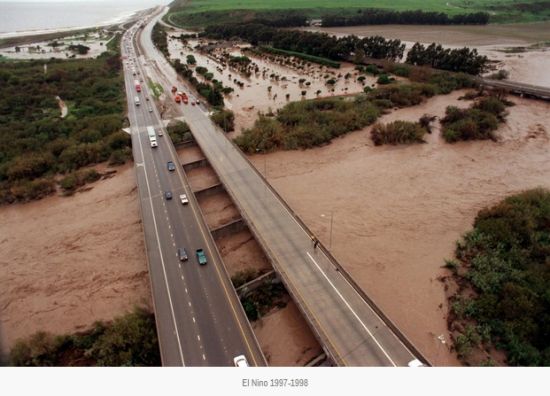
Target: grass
(156, 88)
(501, 10)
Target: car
(150, 109)
(171, 166)
(159, 132)
(168, 195)
(240, 361)
(198, 102)
(193, 103)
(415, 363)
(182, 254)
(201, 257)
(147, 98)
(183, 199)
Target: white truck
(152, 136)
(136, 100)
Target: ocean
(23, 16)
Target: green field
(500, 10)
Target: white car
(240, 361)
(415, 363)
(183, 199)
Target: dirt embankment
(67, 262)
(397, 211)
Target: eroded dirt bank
(67, 262)
(397, 211)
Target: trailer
(152, 136)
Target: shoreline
(124, 18)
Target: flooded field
(273, 85)
(396, 212)
(97, 42)
(495, 41)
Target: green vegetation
(179, 132)
(36, 144)
(260, 301)
(130, 340)
(225, 119)
(156, 88)
(79, 49)
(315, 122)
(475, 123)
(321, 45)
(191, 60)
(307, 124)
(160, 39)
(504, 281)
(77, 179)
(203, 12)
(398, 132)
(310, 58)
(457, 60)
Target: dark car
(182, 254)
(168, 195)
(171, 166)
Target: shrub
(179, 131)
(384, 79)
(225, 119)
(130, 340)
(476, 123)
(503, 260)
(398, 132)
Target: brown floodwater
(397, 211)
(247, 101)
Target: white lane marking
(186, 290)
(194, 320)
(198, 337)
(189, 303)
(351, 309)
(182, 277)
(203, 357)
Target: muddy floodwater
(396, 212)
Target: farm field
(500, 10)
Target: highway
(200, 321)
(517, 88)
(347, 325)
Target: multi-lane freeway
(200, 321)
(347, 325)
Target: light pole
(330, 230)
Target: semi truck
(152, 136)
(138, 85)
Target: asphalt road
(348, 327)
(200, 321)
